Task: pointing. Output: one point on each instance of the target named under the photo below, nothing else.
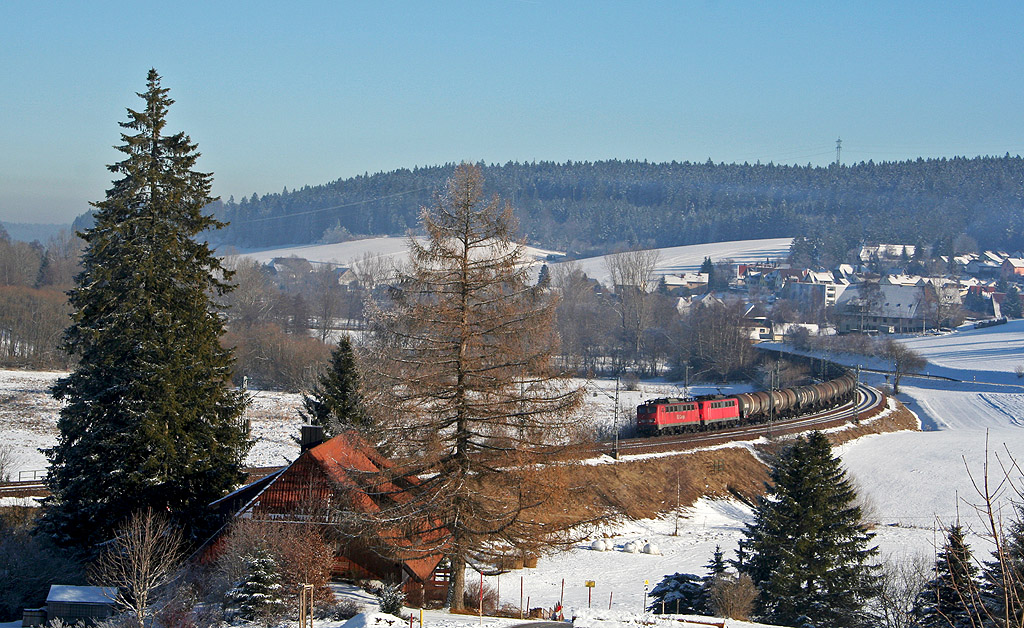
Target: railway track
(868, 399)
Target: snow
(679, 259)
(81, 595)
(347, 253)
(673, 260)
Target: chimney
(311, 436)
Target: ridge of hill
(595, 207)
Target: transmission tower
(839, 150)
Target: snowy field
(347, 253)
(680, 259)
(673, 260)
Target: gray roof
(81, 595)
(893, 301)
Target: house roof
(357, 472)
(892, 301)
(81, 595)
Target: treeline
(593, 207)
(33, 306)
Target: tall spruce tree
(807, 550)
(335, 403)
(951, 599)
(149, 418)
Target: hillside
(593, 207)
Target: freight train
(676, 415)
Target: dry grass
(647, 488)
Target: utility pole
(615, 451)
(839, 150)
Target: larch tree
(467, 380)
(149, 419)
(807, 550)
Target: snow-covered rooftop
(81, 595)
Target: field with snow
(673, 260)
(679, 259)
(347, 253)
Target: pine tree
(716, 569)
(807, 550)
(149, 418)
(679, 593)
(951, 599)
(544, 277)
(260, 596)
(1011, 306)
(336, 403)
(1002, 588)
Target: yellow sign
(591, 584)
(646, 583)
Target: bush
(733, 596)
(391, 599)
(339, 610)
(270, 358)
(302, 556)
(471, 597)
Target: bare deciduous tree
(143, 556)
(901, 580)
(585, 322)
(631, 273)
(470, 386)
(9, 460)
(904, 360)
(733, 596)
(326, 299)
(374, 270)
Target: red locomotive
(675, 415)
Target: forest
(589, 208)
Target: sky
(285, 95)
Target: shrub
(733, 596)
(391, 599)
(339, 610)
(471, 597)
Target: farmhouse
(334, 479)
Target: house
(1013, 268)
(883, 307)
(685, 283)
(886, 252)
(814, 287)
(71, 604)
(328, 481)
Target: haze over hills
(595, 207)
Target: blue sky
(282, 96)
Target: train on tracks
(671, 415)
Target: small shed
(73, 603)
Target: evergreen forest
(597, 207)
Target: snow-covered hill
(672, 260)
